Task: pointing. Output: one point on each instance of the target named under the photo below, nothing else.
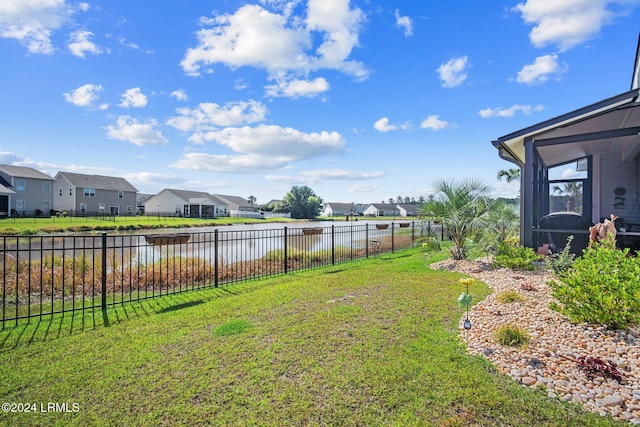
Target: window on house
(566, 186)
(129, 209)
(89, 192)
(21, 185)
(120, 195)
(83, 207)
(70, 191)
(101, 207)
(61, 192)
(46, 187)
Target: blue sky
(360, 100)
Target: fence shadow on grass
(60, 326)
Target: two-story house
(27, 191)
(80, 194)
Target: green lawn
(372, 342)
(26, 226)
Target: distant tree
(251, 200)
(399, 200)
(413, 201)
(421, 199)
(391, 200)
(406, 200)
(302, 202)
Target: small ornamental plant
(593, 367)
(511, 335)
(509, 296)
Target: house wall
(33, 196)
(108, 198)
(616, 173)
(63, 195)
(165, 203)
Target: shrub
(511, 335)
(515, 257)
(508, 297)
(561, 262)
(602, 287)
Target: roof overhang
(611, 125)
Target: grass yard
(372, 342)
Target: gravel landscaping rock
(549, 360)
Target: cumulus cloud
(180, 95)
(261, 148)
(131, 130)
(453, 72)
(383, 125)
(210, 116)
(315, 176)
(509, 112)
(133, 98)
(433, 122)
(83, 96)
(32, 22)
(298, 88)
(79, 44)
(405, 23)
(363, 188)
(540, 70)
(287, 47)
(569, 23)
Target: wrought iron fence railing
(46, 275)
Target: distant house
(194, 204)
(81, 194)
(25, 191)
(239, 207)
(381, 209)
(338, 209)
(140, 200)
(408, 210)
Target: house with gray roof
(194, 204)
(25, 191)
(338, 209)
(381, 209)
(239, 207)
(80, 194)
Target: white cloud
(261, 148)
(569, 23)
(382, 125)
(405, 23)
(79, 44)
(315, 176)
(32, 22)
(363, 188)
(298, 88)
(133, 98)
(209, 116)
(280, 43)
(84, 95)
(509, 112)
(130, 130)
(276, 141)
(540, 70)
(433, 122)
(180, 95)
(453, 72)
(84, 6)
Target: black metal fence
(45, 275)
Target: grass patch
(508, 297)
(376, 343)
(511, 335)
(232, 327)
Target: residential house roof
(236, 200)
(341, 206)
(195, 197)
(5, 190)
(99, 182)
(24, 172)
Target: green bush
(602, 287)
(561, 262)
(515, 257)
(511, 335)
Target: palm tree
(509, 175)
(252, 200)
(462, 208)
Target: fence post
(366, 240)
(393, 242)
(286, 265)
(104, 270)
(333, 246)
(413, 233)
(215, 254)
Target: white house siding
(164, 202)
(616, 173)
(63, 195)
